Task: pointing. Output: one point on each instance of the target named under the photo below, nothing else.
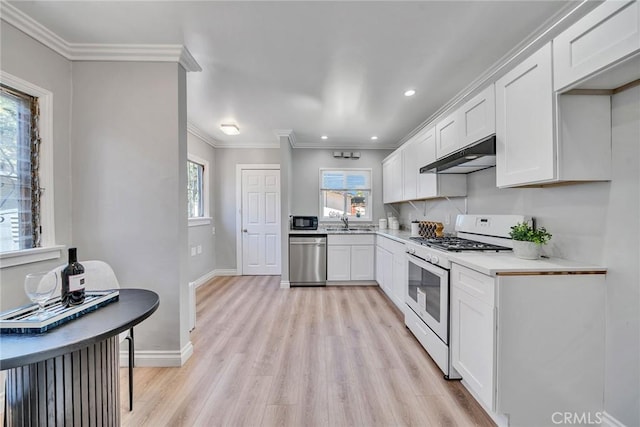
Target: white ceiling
(317, 68)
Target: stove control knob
(435, 259)
(427, 257)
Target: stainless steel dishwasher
(307, 260)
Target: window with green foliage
(19, 181)
(345, 192)
(195, 188)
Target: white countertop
(503, 263)
(490, 263)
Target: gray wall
(306, 163)
(129, 203)
(225, 191)
(595, 223)
(201, 235)
(29, 60)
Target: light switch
(199, 249)
(193, 251)
(213, 231)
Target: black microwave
(304, 223)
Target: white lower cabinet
(399, 275)
(362, 259)
(528, 343)
(384, 269)
(339, 262)
(391, 269)
(472, 343)
(350, 257)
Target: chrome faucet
(345, 221)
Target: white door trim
(239, 169)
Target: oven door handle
(431, 268)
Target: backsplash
(439, 210)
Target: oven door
(428, 294)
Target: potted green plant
(527, 241)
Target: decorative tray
(22, 320)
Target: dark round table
(70, 375)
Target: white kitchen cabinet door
(608, 34)
(478, 117)
(448, 134)
(399, 285)
(362, 260)
(472, 343)
(410, 169)
(392, 178)
(425, 147)
(339, 262)
(386, 182)
(525, 143)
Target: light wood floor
(266, 356)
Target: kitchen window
(345, 192)
(26, 173)
(197, 190)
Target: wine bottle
(73, 281)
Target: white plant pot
(527, 250)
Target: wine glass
(39, 287)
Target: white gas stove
(429, 262)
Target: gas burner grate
(457, 244)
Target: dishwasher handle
(293, 243)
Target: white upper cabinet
(473, 121)
(448, 134)
(604, 37)
(478, 117)
(543, 137)
(401, 177)
(410, 169)
(525, 147)
(392, 177)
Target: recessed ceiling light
(230, 128)
(373, 138)
(324, 137)
(410, 92)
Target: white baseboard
(285, 284)
(225, 272)
(609, 420)
(159, 359)
(204, 279)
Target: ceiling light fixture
(230, 128)
(324, 137)
(410, 92)
(373, 138)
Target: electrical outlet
(193, 251)
(213, 231)
(447, 219)
(199, 249)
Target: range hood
(480, 155)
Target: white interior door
(260, 222)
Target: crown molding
(200, 134)
(288, 133)
(344, 147)
(14, 16)
(97, 51)
(258, 145)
